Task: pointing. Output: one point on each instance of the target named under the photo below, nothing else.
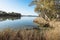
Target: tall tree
(47, 9)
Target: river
(17, 23)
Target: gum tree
(47, 9)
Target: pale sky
(20, 6)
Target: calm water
(17, 23)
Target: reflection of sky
(20, 6)
(19, 23)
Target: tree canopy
(47, 9)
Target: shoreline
(33, 34)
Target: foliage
(12, 14)
(48, 9)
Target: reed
(51, 34)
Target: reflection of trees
(9, 18)
(11, 15)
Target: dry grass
(42, 22)
(51, 34)
(33, 34)
(21, 35)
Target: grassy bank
(53, 33)
(33, 34)
(20, 35)
(42, 22)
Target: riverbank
(20, 35)
(33, 34)
(41, 21)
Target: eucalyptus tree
(47, 9)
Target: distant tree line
(12, 14)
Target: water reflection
(9, 18)
(46, 33)
(17, 22)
